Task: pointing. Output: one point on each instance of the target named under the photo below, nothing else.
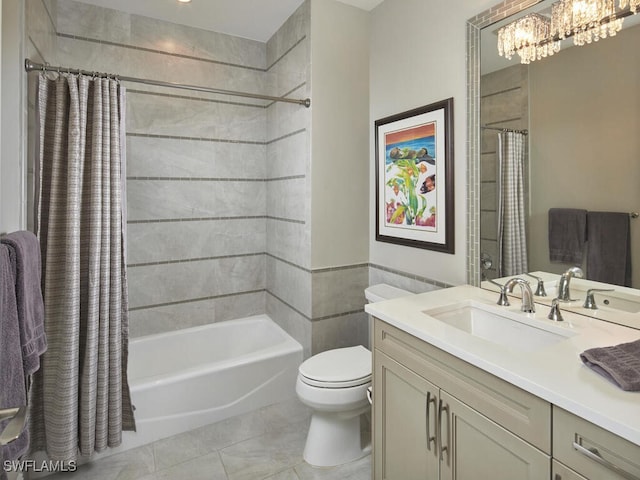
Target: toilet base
(334, 439)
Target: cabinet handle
(443, 448)
(430, 399)
(593, 454)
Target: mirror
(581, 108)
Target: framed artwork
(414, 178)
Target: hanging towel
(567, 234)
(24, 249)
(609, 248)
(619, 364)
(12, 379)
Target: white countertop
(554, 373)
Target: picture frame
(414, 178)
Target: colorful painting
(414, 178)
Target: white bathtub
(185, 379)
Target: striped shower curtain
(80, 397)
(512, 241)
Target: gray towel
(567, 235)
(609, 248)
(619, 364)
(24, 249)
(12, 378)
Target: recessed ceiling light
(184, 1)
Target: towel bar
(15, 427)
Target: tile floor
(263, 445)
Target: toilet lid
(338, 368)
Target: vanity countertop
(554, 373)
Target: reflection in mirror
(579, 114)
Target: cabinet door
(404, 427)
(473, 447)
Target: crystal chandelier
(530, 37)
(634, 5)
(587, 20)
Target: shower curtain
(512, 241)
(80, 397)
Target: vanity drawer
(592, 451)
(560, 472)
(520, 412)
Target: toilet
(334, 385)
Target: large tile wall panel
(83, 20)
(288, 241)
(340, 331)
(284, 155)
(160, 284)
(40, 47)
(171, 157)
(289, 283)
(195, 118)
(337, 291)
(41, 32)
(155, 242)
(297, 325)
(132, 62)
(163, 200)
(166, 318)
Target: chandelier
(585, 20)
(536, 36)
(530, 37)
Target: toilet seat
(338, 368)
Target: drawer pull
(430, 399)
(593, 454)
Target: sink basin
(515, 330)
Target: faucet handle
(590, 301)
(503, 300)
(540, 291)
(554, 313)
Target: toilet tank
(382, 291)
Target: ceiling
(253, 19)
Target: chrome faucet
(554, 312)
(590, 301)
(563, 286)
(527, 294)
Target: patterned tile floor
(263, 445)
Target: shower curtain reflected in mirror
(80, 397)
(512, 241)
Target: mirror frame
(492, 15)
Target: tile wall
(200, 192)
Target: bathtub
(189, 378)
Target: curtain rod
(31, 66)
(524, 132)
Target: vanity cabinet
(438, 417)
